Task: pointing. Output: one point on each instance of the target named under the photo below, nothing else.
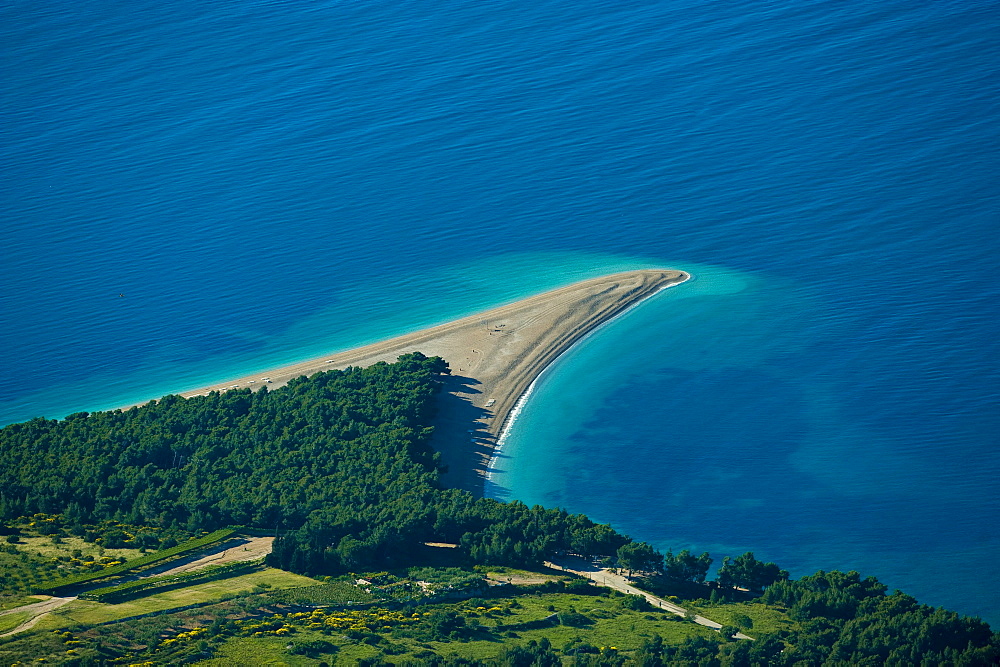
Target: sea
(193, 191)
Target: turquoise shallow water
(359, 312)
(266, 182)
(704, 419)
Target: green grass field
(10, 621)
(20, 601)
(263, 651)
(591, 622)
(613, 625)
(765, 619)
(44, 546)
(270, 630)
(610, 624)
(84, 612)
(338, 592)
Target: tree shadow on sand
(461, 435)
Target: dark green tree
(747, 572)
(639, 556)
(742, 621)
(685, 566)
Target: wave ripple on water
(265, 182)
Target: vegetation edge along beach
(371, 553)
(504, 350)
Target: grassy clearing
(269, 636)
(44, 546)
(353, 653)
(46, 647)
(20, 600)
(262, 651)
(613, 625)
(765, 619)
(84, 612)
(35, 562)
(337, 592)
(10, 621)
(608, 623)
(23, 571)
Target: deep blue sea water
(270, 181)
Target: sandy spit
(494, 357)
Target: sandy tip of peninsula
(494, 357)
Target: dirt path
(232, 551)
(37, 609)
(607, 578)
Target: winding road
(37, 610)
(602, 577)
(233, 550)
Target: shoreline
(515, 411)
(494, 356)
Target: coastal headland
(494, 357)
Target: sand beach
(494, 357)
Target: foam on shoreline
(498, 353)
(509, 421)
(515, 411)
